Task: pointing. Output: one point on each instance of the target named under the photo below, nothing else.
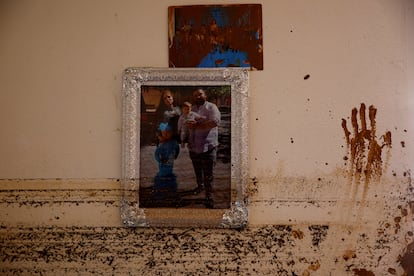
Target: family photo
(185, 147)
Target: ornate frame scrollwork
(132, 214)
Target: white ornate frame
(131, 213)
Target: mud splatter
(397, 221)
(319, 233)
(404, 211)
(314, 266)
(364, 147)
(253, 188)
(297, 234)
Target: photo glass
(170, 181)
(184, 147)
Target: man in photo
(203, 143)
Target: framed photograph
(210, 36)
(185, 147)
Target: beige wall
(60, 117)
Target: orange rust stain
(364, 147)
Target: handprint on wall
(364, 149)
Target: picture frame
(171, 190)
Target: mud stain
(364, 148)
(407, 260)
(297, 234)
(253, 187)
(319, 233)
(314, 266)
(392, 271)
(349, 254)
(74, 250)
(363, 272)
(397, 225)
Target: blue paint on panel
(225, 58)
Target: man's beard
(200, 101)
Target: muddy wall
(330, 148)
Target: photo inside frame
(171, 152)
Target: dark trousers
(203, 164)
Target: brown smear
(363, 272)
(407, 260)
(364, 148)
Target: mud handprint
(364, 150)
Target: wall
(316, 206)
